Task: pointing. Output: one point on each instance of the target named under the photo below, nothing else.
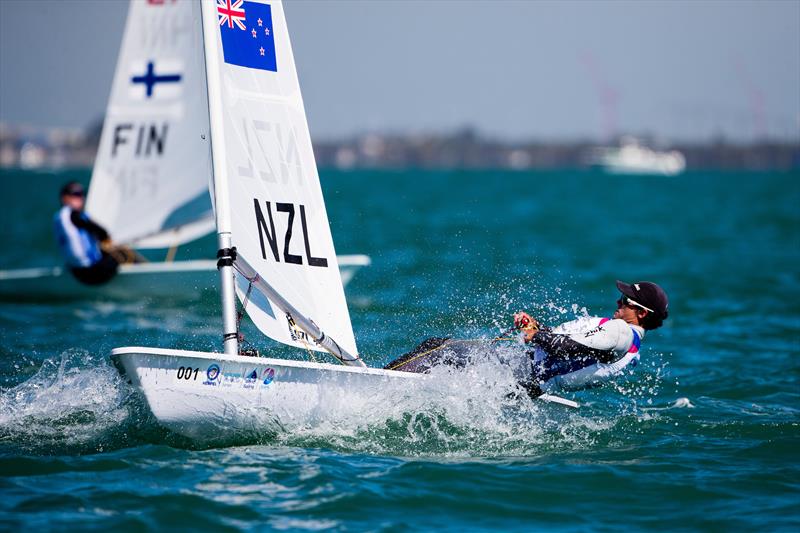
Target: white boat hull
(212, 397)
(634, 158)
(184, 279)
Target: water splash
(477, 411)
(74, 403)
(682, 403)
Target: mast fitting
(226, 257)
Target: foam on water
(75, 402)
(682, 403)
(477, 411)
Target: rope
(245, 345)
(245, 300)
(403, 363)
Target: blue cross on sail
(158, 79)
(247, 37)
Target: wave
(75, 403)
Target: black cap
(647, 294)
(73, 187)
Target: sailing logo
(246, 30)
(151, 81)
(250, 380)
(213, 372)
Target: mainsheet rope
(422, 354)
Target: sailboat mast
(226, 253)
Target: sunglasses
(74, 193)
(624, 300)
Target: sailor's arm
(615, 335)
(566, 347)
(606, 342)
(96, 230)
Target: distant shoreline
(30, 148)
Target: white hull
(184, 279)
(634, 158)
(666, 167)
(214, 397)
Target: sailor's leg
(99, 273)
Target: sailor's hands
(121, 253)
(527, 324)
(523, 320)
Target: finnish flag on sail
(155, 79)
(247, 39)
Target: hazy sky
(513, 69)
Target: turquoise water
(703, 436)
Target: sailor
(80, 239)
(589, 351)
(578, 354)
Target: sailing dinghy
(150, 182)
(276, 252)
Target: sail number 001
(187, 373)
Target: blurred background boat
(633, 157)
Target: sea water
(703, 435)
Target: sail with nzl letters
(149, 186)
(267, 191)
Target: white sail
(267, 191)
(149, 187)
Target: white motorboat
(632, 157)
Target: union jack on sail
(231, 14)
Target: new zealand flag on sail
(247, 38)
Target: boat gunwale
(268, 361)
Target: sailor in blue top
(79, 239)
(589, 351)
